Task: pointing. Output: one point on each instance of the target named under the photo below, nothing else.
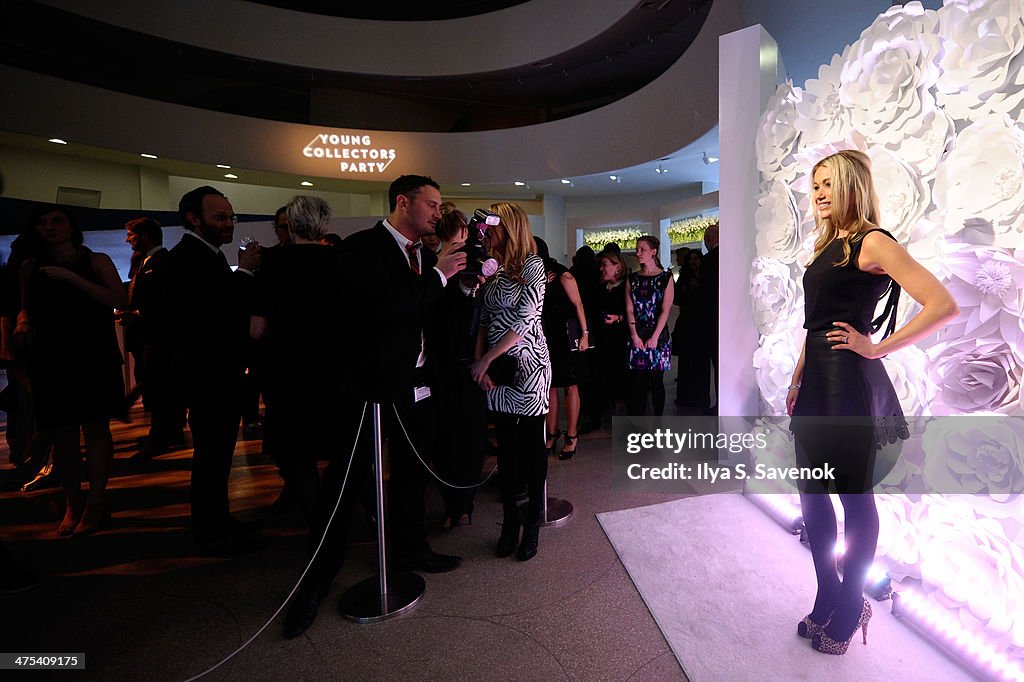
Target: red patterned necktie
(414, 261)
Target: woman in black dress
(66, 331)
(297, 316)
(611, 333)
(843, 405)
(563, 309)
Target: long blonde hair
(854, 202)
(519, 241)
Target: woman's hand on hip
(848, 338)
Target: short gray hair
(308, 216)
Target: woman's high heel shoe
(566, 453)
(807, 628)
(826, 645)
(552, 440)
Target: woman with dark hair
(611, 334)
(649, 298)
(843, 405)
(563, 310)
(462, 429)
(514, 369)
(66, 331)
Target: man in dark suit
(708, 290)
(394, 284)
(205, 316)
(151, 377)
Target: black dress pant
(213, 416)
(522, 456)
(404, 494)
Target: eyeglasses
(224, 217)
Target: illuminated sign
(354, 153)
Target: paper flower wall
(936, 99)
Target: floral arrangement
(935, 99)
(682, 231)
(625, 237)
(690, 230)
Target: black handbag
(574, 333)
(503, 370)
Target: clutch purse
(503, 370)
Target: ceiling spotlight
(232, 176)
(56, 140)
(306, 183)
(466, 184)
(708, 160)
(567, 181)
(221, 165)
(520, 183)
(148, 156)
(615, 178)
(660, 169)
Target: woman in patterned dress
(514, 369)
(648, 303)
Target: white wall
(747, 78)
(246, 198)
(35, 176)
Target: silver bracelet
(793, 387)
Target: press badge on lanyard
(420, 393)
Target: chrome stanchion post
(556, 511)
(388, 594)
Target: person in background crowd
(462, 423)
(568, 337)
(203, 308)
(588, 281)
(514, 368)
(391, 287)
(611, 331)
(167, 416)
(648, 301)
(295, 313)
(708, 307)
(66, 331)
(689, 337)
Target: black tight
(521, 457)
(638, 384)
(840, 597)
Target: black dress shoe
(301, 613)
(508, 539)
(428, 561)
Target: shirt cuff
(444, 280)
(246, 271)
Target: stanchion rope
(327, 527)
(427, 466)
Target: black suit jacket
(390, 306)
(142, 290)
(202, 309)
(708, 291)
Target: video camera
(477, 260)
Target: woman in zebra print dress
(514, 369)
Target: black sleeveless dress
(75, 361)
(847, 409)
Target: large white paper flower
(823, 116)
(779, 228)
(902, 196)
(887, 73)
(774, 362)
(971, 563)
(988, 285)
(923, 147)
(975, 374)
(777, 135)
(975, 455)
(908, 371)
(982, 179)
(983, 63)
(774, 294)
(897, 537)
